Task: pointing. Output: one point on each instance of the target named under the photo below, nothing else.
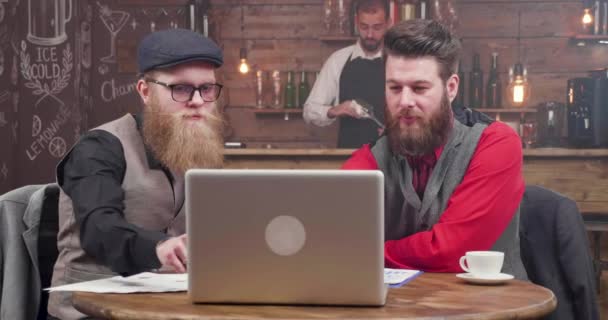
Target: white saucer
(497, 279)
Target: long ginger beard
(425, 138)
(180, 143)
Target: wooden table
(430, 296)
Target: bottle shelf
(337, 38)
(286, 113)
(281, 111)
(506, 110)
(584, 39)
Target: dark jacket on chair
(25, 262)
(555, 252)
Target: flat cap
(171, 47)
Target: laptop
(313, 237)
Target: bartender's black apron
(363, 79)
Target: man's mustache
(409, 113)
(186, 114)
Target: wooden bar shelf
(506, 110)
(337, 38)
(281, 111)
(584, 39)
(286, 113)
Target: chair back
(47, 244)
(555, 252)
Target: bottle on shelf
(605, 17)
(276, 89)
(328, 15)
(476, 84)
(407, 10)
(260, 87)
(290, 91)
(303, 89)
(494, 90)
(354, 31)
(459, 101)
(422, 9)
(597, 17)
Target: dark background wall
(53, 88)
(68, 66)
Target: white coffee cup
(483, 264)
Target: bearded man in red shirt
(453, 177)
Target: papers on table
(173, 282)
(142, 282)
(397, 277)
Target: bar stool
(596, 222)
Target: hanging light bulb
(587, 19)
(519, 87)
(518, 90)
(243, 66)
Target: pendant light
(587, 16)
(518, 90)
(243, 65)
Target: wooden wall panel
(585, 181)
(499, 19)
(276, 54)
(273, 22)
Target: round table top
(431, 295)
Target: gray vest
(406, 214)
(150, 202)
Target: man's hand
(344, 109)
(172, 254)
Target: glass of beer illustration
(47, 20)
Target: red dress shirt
(477, 213)
(422, 167)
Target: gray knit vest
(405, 213)
(150, 202)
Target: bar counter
(581, 174)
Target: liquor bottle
(493, 92)
(597, 17)
(276, 89)
(407, 10)
(605, 17)
(303, 89)
(423, 9)
(290, 91)
(476, 84)
(459, 101)
(354, 30)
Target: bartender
(354, 72)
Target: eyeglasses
(184, 92)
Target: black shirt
(92, 174)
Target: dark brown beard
(180, 145)
(431, 134)
(370, 47)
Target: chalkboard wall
(67, 66)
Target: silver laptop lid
(286, 236)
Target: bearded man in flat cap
(122, 184)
